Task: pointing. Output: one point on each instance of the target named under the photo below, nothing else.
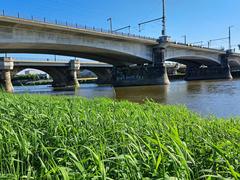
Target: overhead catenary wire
(126, 27)
(42, 9)
(149, 21)
(45, 6)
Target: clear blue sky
(200, 20)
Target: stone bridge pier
(6, 67)
(64, 77)
(154, 73)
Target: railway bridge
(136, 60)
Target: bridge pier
(74, 68)
(141, 75)
(66, 77)
(6, 66)
(159, 63)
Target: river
(219, 97)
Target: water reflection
(221, 98)
(93, 90)
(141, 93)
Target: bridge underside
(194, 61)
(199, 68)
(128, 69)
(104, 75)
(102, 55)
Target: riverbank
(48, 82)
(71, 137)
(32, 83)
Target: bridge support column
(66, 78)
(6, 66)
(225, 64)
(142, 75)
(74, 68)
(159, 64)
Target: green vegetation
(32, 83)
(31, 80)
(32, 77)
(44, 137)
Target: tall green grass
(44, 137)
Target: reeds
(45, 137)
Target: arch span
(59, 76)
(194, 60)
(25, 36)
(27, 71)
(100, 54)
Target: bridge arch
(21, 71)
(101, 54)
(190, 60)
(27, 36)
(59, 76)
(202, 67)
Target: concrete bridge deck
(29, 36)
(26, 36)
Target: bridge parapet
(77, 26)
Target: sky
(199, 20)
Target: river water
(220, 98)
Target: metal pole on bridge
(110, 23)
(209, 43)
(185, 39)
(229, 37)
(164, 18)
